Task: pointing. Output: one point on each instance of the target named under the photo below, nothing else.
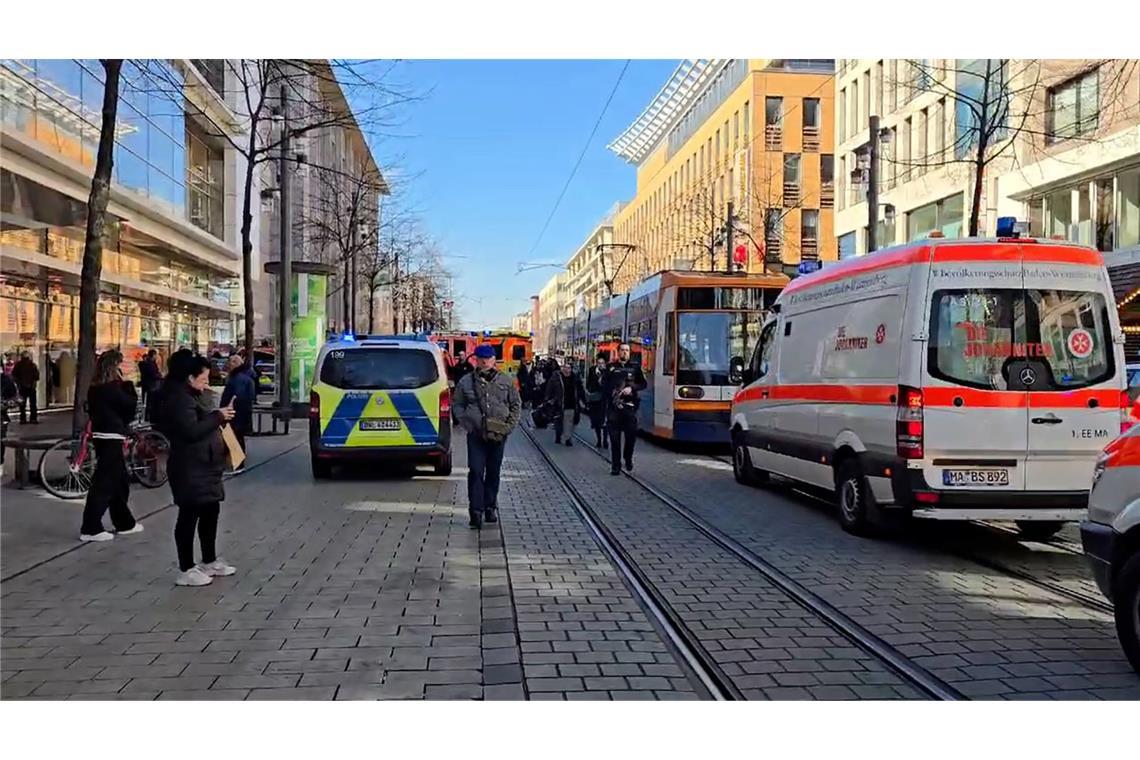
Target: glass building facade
(154, 293)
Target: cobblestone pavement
(766, 643)
(584, 636)
(367, 587)
(986, 633)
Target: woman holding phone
(198, 458)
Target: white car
(1111, 535)
(948, 379)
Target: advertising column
(308, 331)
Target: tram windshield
(708, 341)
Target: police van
(947, 379)
(380, 398)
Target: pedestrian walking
(26, 375)
(150, 378)
(488, 407)
(624, 380)
(595, 400)
(8, 396)
(525, 377)
(111, 404)
(565, 397)
(241, 393)
(197, 462)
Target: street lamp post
(285, 284)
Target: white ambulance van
(951, 379)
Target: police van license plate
(984, 478)
(379, 424)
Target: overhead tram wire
(578, 163)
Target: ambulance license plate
(983, 478)
(379, 424)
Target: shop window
(1128, 208)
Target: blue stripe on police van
(415, 419)
(348, 411)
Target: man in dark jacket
(624, 380)
(27, 376)
(150, 378)
(525, 373)
(595, 399)
(565, 396)
(242, 392)
(487, 405)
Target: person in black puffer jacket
(111, 404)
(197, 461)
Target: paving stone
(304, 693)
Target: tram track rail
(699, 661)
(1086, 600)
(889, 656)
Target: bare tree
(92, 271)
(318, 93)
(996, 106)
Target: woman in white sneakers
(197, 461)
(111, 403)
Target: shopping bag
(236, 455)
(540, 418)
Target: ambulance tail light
(909, 423)
(314, 405)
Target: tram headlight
(690, 392)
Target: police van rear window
(976, 334)
(386, 369)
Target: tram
(691, 333)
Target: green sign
(307, 331)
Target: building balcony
(811, 139)
(791, 194)
(809, 249)
(827, 195)
(773, 137)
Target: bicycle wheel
(65, 476)
(147, 458)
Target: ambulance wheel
(742, 468)
(1126, 600)
(1034, 530)
(854, 498)
(443, 466)
(321, 470)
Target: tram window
(459, 345)
(696, 298)
(670, 361)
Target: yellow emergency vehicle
(380, 398)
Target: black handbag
(540, 419)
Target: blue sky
(490, 147)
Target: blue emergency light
(348, 337)
(1007, 227)
(807, 267)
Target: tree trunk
(346, 294)
(984, 133)
(93, 243)
(247, 245)
(371, 309)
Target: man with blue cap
(487, 405)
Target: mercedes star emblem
(1028, 376)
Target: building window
(1128, 208)
(920, 144)
(827, 181)
(791, 179)
(773, 234)
(944, 216)
(774, 124)
(204, 184)
(865, 107)
(809, 234)
(812, 121)
(893, 86)
(854, 110)
(1072, 108)
(736, 130)
(979, 82)
(939, 129)
(879, 88)
(847, 245)
(747, 124)
(213, 70)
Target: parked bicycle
(67, 468)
